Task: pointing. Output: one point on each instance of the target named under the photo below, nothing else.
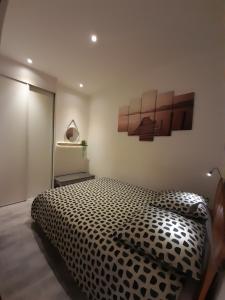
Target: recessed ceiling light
(94, 38)
(81, 85)
(29, 60)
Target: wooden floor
(30, 268)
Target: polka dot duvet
(81, 220)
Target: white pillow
(187, 204)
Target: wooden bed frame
(216, 240)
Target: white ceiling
(134, 35)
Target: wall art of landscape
(156, 114)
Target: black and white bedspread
(80, 221)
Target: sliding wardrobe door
(40, 141)
(13, 141)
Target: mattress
(80, 220)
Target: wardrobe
(26, 140)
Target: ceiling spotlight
(94, 38)
(81, 85)
(29, 60)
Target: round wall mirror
(72, 133)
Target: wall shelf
(67, 144)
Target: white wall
(40, 140)
(3, 6)
(70, 105)
(179, 161)
(13, 133)
(26, 130)
(18, 71)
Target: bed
(86, 221)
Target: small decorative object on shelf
(83, 143)
(84, 146)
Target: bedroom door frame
(53, 127)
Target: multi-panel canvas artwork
(123, 119)
(183, 112)
(147, 125)
(156, 114)
(134, 116)
(163, 114)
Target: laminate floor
(30, 267)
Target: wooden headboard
(217, 243)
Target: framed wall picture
(123, 119)
(156, 114)
(147, 124)
(134, 116)
(163, 114)
(183, 107)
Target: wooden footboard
(217, 240)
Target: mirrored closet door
(26, 133)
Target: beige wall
(70, 105)
(3, 7)
(13, 133)
(40, 140)
(179, 161)
(34, 163)
(26, 121)
(18, 71)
